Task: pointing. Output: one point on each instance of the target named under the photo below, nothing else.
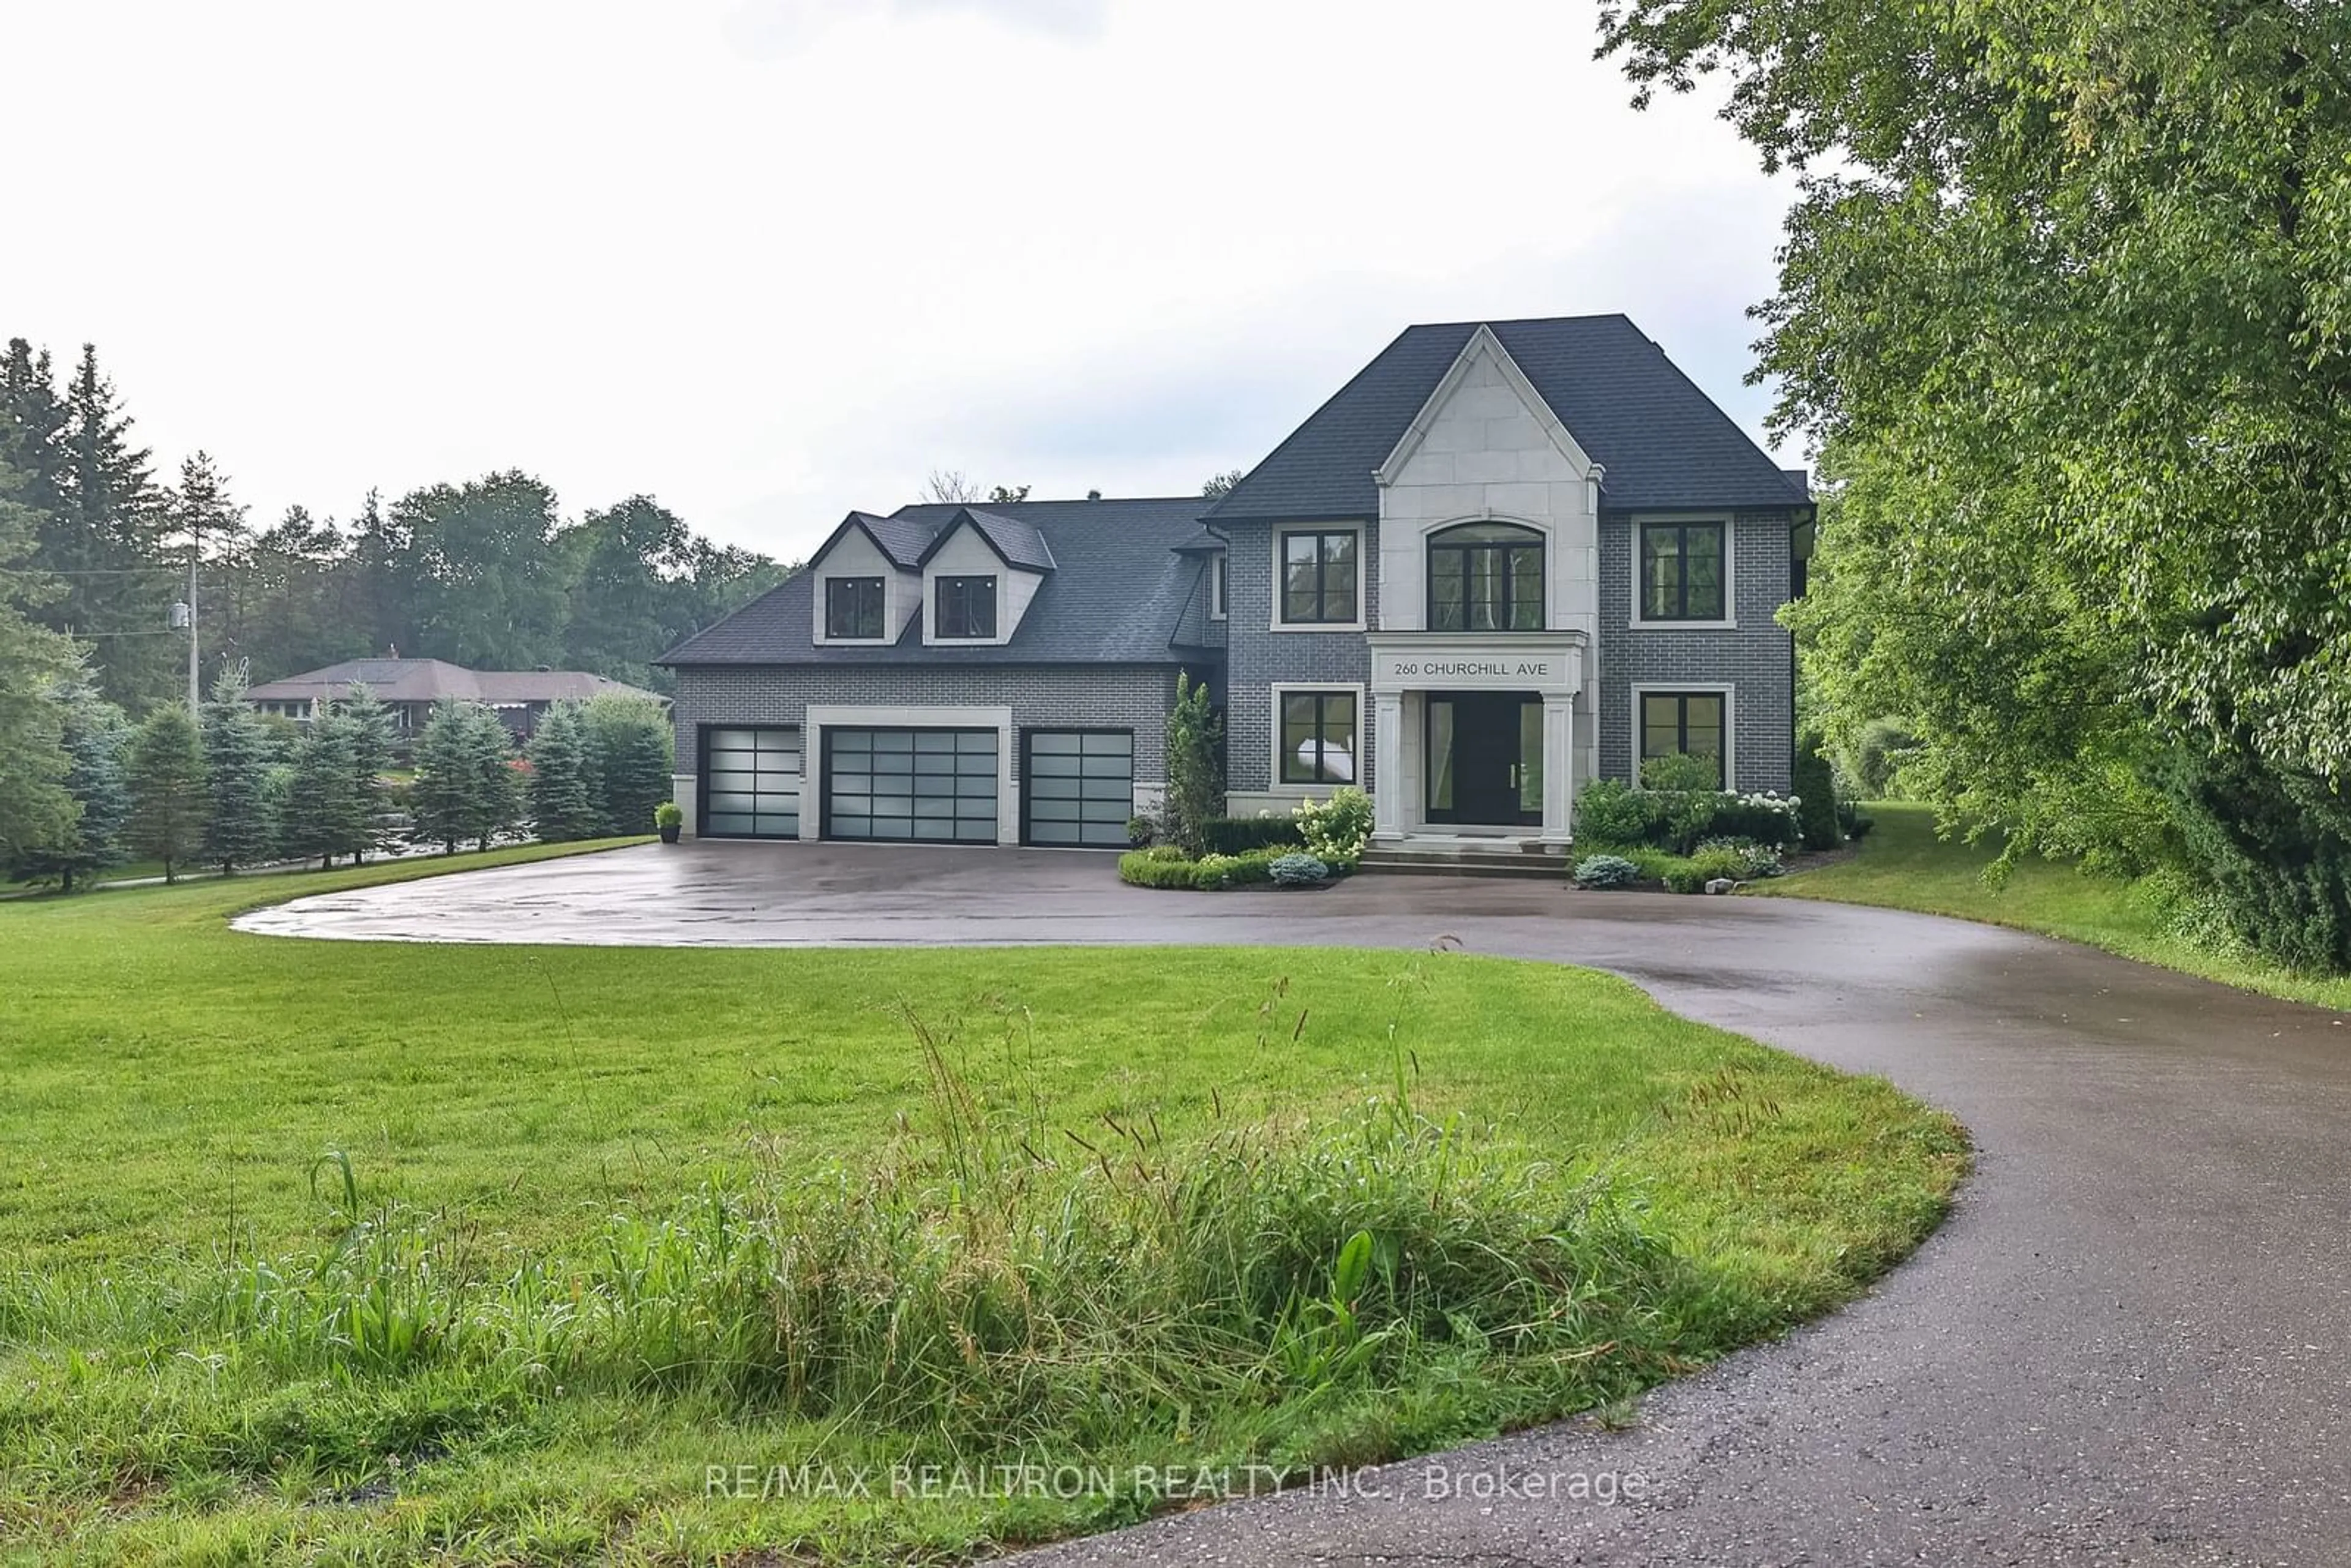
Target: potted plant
(670, 818)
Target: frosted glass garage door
(1077, 786)
(911, 786)
(751, 783)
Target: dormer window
(1486, 577)
(852, 609)
(965, 607)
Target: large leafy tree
(485, 577)
(2065, 302)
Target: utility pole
(196, 692)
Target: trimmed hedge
(1239, 835)
(1610, 811)
(1158, 868)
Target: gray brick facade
(1259, 658)
(1122, 697)
(1756, 657)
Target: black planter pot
(669, 833)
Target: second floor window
(967, 607)
(1486, 577)
(852, 607)
(1217, 586)
(1682, 572)
(1319, 578)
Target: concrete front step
(1464, 860)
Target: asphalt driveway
(2130, 1345)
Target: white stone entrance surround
(1406, 667)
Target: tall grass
(992, 1282)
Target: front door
(1485, 759)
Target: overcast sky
(772, 259)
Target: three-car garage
(917, 784)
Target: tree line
(231, 788)
(2065, 307)
(485, 573)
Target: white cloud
(1073, 242)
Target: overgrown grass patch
(1904, 864)
(399, 1253)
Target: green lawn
(613, 1216)
(1902, 865)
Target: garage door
(751, 782)
(1077, 786)
(925, 785)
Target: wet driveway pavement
(2130, 1345)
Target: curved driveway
(2130, 1345)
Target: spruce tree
(628, 751)
(97, 742)
(323, 818)
(169, 799)
(494, 802)
(561, 805)
(238, 754)
(437, 802)
(112, 520)
(371, 736)
(37, 809)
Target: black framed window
(1486, 577)
(1689, 724)
(1219, 586)
(1320, 740)
(967, 607)
(1682, 571)
(852, 607)
(1320, 578)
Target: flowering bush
(1336, 829)
(1298, 870)
(1756, 860)
(1607, 871)
(1609, 811)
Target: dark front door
(1485, 759)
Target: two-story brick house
(1506, 558)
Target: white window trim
(933, 638)
(890, 590)
(1275, 784)
(1727, 690)
(1363, 576)
(1221, 585)
(1730, 622)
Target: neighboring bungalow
(409, 687)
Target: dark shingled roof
(1116, 593)
(429, 680)
(1663, 442)
(1015, 541)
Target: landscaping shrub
(1165, 865)
(1297, 871)
(1607, 871)
(1815, 789)
(1758, 860)
(1613, 813)
(2274, 850)
(1692, 875)
(1335, 830)
(1237, 835)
